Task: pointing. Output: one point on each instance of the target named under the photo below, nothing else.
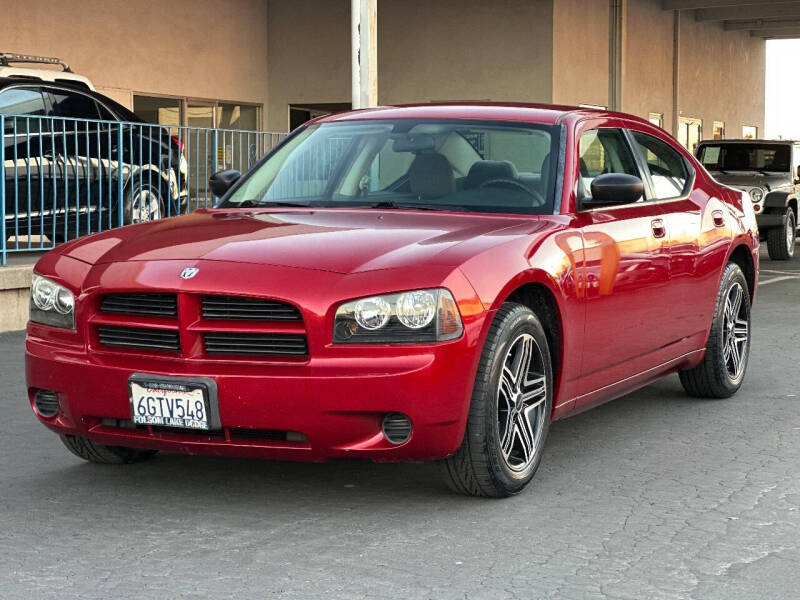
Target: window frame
(637, 161)
(649, 185)
(53, 104)
(48, 109)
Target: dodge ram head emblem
(189, 272)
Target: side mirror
(797, 176)
(221, 181)
(613, 189)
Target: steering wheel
(511, 183)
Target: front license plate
(169, 403)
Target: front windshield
(437, 165)
(745, 157)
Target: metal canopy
(768, 19)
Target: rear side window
(71, 104)
(22, 101)
(105, 114)
(668, 170)
(604, 151)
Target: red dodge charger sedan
(402, 284)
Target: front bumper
(337, 403)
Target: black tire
(144, 200)
(713, 378)
(781, 240)
(106, 455)
(480, 466)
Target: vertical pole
(120, 157)
(3, 196)
(364, 47)
(616, 53)
(676, 71)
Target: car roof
(749, 141)
(546, 114)
(22, 74)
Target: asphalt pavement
(655, 495)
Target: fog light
(46, 403)
(396, 428)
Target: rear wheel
(108, 455)
(143, 201)
(509, 416)
(781, 240)
(721, 373)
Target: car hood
(336, 240)
(750, 179)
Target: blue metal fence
(65, 177)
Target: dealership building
(696, 67)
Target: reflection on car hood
(341, 241)
(751, 179)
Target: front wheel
(721, 373)
(781, 240)
(106, 455)
(509, 416)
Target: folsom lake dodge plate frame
(179, 402)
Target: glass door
(200, 117)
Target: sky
(783, 90)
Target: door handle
(719, 218)
(659, 230)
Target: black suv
(62, 175)
(769, 170)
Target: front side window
(442, 165)
(604, 151)
(746, 157)
(668, 170)
(21, 101)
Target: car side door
(626, 269)
(699, 231)
(28, 162)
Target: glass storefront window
(164, 111)
(237, 116)
(201, 113)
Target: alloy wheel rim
(145, 207)
(736, 331)
(521, 403)
(791, 232)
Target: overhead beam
(732, 13)
(761, 25)
(777, 34)
(697, 4)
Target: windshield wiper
(271, 204)
(394, 205)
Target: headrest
(583, 168)
(431, 176)
(544, 172)
(486, 170)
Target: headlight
(51, 303)
(756, 195)
(411, 317)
